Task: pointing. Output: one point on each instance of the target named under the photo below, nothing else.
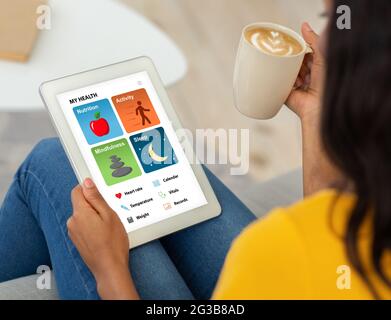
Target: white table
(86, 34)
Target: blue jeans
(33, 232)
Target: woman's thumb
(312, 38)
(93, 196)
(309, 34)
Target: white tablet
(117, 126)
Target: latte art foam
(274, 42)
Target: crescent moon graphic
(154, 156)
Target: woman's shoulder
(256, 266)
(275, 256)
(316, 222)
(320, 212)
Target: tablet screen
(132, 150)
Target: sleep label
(153, 150)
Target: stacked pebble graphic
(119, 167)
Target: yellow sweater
(299, 253)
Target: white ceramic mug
(263, 82)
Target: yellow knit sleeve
(268, 261)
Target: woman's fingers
(87, 198)
(315, 61)
(304, 71)
(312, 39)
(306, 94)
(299, 82)
(296, 100)
(72, 229)
(78, 199)
(94, 198)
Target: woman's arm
(102, 242)
(318, 172)
(305, 100)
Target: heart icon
(119, 195)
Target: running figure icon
(140, 111)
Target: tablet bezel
(51, 89)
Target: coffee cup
(268, 62)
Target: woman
(333, 245)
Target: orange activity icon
(135, 110)
(140, 111)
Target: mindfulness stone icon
(116, 161)
(118, 167)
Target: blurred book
(18, 29)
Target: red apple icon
(100, 127)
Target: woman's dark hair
(356, 122)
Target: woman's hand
(305, 99)
(102, 242)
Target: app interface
(132, 150)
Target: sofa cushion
(26, 289)
(282, 191)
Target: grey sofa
(278, 192)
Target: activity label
(135, 110)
